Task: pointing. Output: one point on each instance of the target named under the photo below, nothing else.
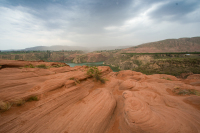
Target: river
(115, 69)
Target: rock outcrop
(64, 56)
(21, 63)
(70, 101)
(90, 57)
(156, 63)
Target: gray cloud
(175, 10)
(89, 22)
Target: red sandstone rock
(194, 76)
(70, 101)
(21, 63)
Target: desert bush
(58, 65)
(77, 81)
(180, 91)
(42, 66)
(29, 66)
(4, 106)
(95, 73)
(32, 98)
(19, 102)
(72, 78)
(93, 70)
(166, 78)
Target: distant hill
(54, 48)
(168, 45)
(59, 47)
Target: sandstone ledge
(128, 102)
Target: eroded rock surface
(70, 101)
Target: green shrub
(102, 80)
(29, 66)
(19, 102)
(166, 78)
(4, 106)
(92, 70)
(72, 78)
(58, 65)
(42, 66)
(180, 91)
(77, 81)
(95, 73)
(32, 98)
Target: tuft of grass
(105, 79)
(166, 78)
(180, 91)
(95, 73)
(77, 81)
(117, 73)
(58, 65)
(72, 78)
(29, 66)
(42, 66)
(102, 80)
(19, 102)
(33, 98)
(4, 106)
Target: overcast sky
(29, 23)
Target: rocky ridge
(168, 45)
(70, 101)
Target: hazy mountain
(59, 47)
(55, 48)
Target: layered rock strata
(70, 101)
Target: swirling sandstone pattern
(70, 101)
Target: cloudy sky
(29, 23)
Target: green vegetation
(161, 53)
(137, 62)
(95, 73)
(55, 56)
(158, 63)
(111, 51)
(115, 69)
(58, 65)
(166, 78)
(29, 66)
(77, 81)
(180, 91)
(19, 102)
(33, 98)
(170, 66)
(72, 78)
(42, 66)
(4, 106)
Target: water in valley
(115, 69)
